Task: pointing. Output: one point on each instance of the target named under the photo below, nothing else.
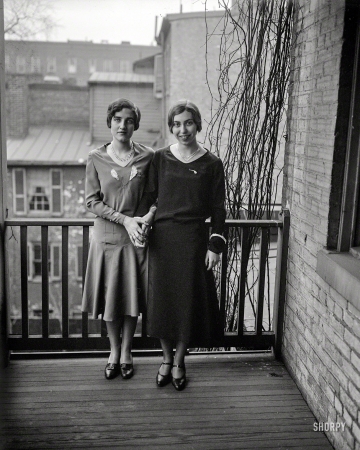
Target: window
(39, 201)
(56, 190)
(7, 62)
(72, 65)
(108, 65)
(92, 65)
(340, 267)
(19, 193)
(158, 71)
(54, 261)
(36, 261)
(125, 66)
(79, 262)
(35, 64)
(20, 64)
(344, 223)
(51, 64)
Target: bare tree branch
(24, 19)
(248, 110)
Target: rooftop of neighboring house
(50, 145)
(117, 77)
(166, 22)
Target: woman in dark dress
(188, 183)
(116, 269)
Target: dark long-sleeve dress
(116, 274)
(182, 300)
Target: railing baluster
(261, 280)
(45, 279)
(84, 322)
(223, 290)
(24, 282)
(243, 278)
(65, 281)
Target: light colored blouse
(113, 192)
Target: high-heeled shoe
(163, 380)
(127, 370)
(112, 370)
(179, 383)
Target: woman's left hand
(211, 259)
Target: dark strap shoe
(163, 380)
(127, 370)
(112, 370)
(179, 383)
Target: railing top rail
(88, 222)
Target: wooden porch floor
(231, 402)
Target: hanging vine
(246, 129)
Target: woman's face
(122, 125)
(184, 128)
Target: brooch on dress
(114, 174)
(133, 172)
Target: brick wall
(17, 123)
(322, 330)
(58, 105)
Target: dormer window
(39, 201)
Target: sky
(117, 20)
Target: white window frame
(35, 64)
(52, 275)
(7, 62)
(124, 66)
(92, 65)
(31, 261)
(51, 64)
(20, 64)
(108, 65)
(30, 257)
(16, 195)
(42, 202)
(57, 187)
(72, 65)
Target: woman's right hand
(133, 226)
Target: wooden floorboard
(230, 402)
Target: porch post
(280, 282)
(3, 177)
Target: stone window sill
(342, 272)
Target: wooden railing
(255, 339)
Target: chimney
(17, 98)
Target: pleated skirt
(116, 273)
(182, 300)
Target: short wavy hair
(180, 107)
(118, 105)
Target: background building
(72, 62)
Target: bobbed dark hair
(118, 105)
(180, 107)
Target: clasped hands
(138, 229)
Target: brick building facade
(321, 345)
(184, 72)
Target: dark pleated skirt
(182, 299)
(116, 273)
